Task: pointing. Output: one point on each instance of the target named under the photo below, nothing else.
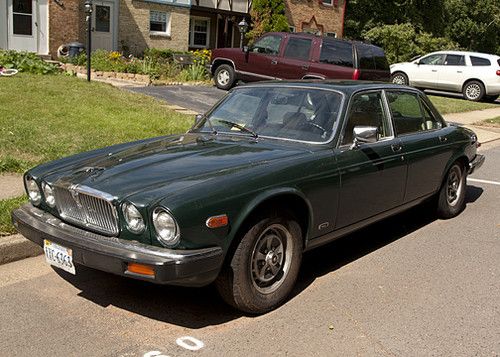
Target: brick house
(41, 26)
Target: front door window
(22, 17)
(269, 45)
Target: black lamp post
(88, 19)
(243, 27)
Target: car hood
(179, 161)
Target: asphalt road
(196, 98)
(408, 286)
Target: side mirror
(198, 118)
(364, 135)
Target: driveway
(196, 98)
(410, 285)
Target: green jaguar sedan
(272, 170)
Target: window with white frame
(328, 2)
(159, 23)
(292, 28)
(199, 32)
(331, 34)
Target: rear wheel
(224, 77)
(473, 91)
(400, 78)
(451, 198)
(262, 271)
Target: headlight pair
(166, 228)
(35, 194)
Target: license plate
(59, 256)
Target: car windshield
(301, 114)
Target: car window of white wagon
(299, 114)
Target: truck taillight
(355, 75)
(498, 72)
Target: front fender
(250, 207)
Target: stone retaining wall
(138, 78)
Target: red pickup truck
(281, 55)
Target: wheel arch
(473, 79)
(287, 199)
(219, 61)
(462, 158)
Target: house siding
(133, 28)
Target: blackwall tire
(264, 267)
(451, 198)
(224, 77)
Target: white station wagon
(476, 75)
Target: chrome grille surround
(87, 208)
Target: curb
(16, 247)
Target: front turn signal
(140, 269)
(217, 221)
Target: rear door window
(298, 48)
(338, 53)
(409, 114)
(480, 61)
(454, 60)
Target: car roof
(465, 53)
(345, 86)
(325, 38)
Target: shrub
(195, 72)
(103, 60)
(26, 62)
(201, 57)
(402, 42)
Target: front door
(103, 25)
(372, 175)
(262, 59)
(425, 74)
(22, 25)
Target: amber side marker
(217, 221)
(140, 269)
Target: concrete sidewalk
(484, 134)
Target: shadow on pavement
(199, 307)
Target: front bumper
(476, 163)
(176, 267)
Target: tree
(402, 42)
(267, 16)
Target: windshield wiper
(239, 126)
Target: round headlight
(48, 192)
(166, 228)
(133, 218)
(33, 191)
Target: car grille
(87, 209)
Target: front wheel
(451, 199)
(400, 78)
(224, 77)
(262, 271)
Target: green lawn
(452, 105)
(491, 122)
(6, 207)
(46, 117)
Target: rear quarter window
(380, 59)
(480, 61)
(365, 56)
(337, 52)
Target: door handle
(396, 147)
(434, 70)
(443, 139)
(459, 71)
(306, 67)
(274, 61)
